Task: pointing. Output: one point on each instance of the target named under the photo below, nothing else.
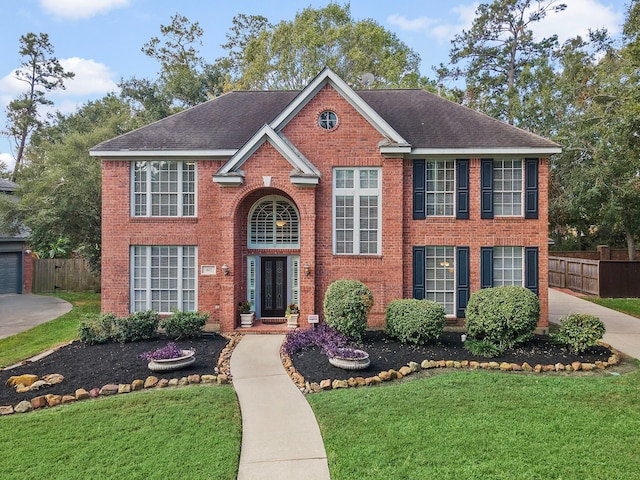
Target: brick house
(272, 195)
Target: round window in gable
(328, 120)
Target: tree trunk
(631, 245)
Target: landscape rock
(315, 387)
(526, 367)
(68, 399)
(384, 376)
(375, 380)
(82, 394)
(576, 366)
(37, 385)
(162, 383)
(6, 410)
(425, 364)
(150, 381)
(38, 402)
(23, 407)
(559, 367)
(406, 370)
(137, 385)
(505, 367)
(109, 389)
(206, 379)
(94, 392)
(124, 388)
(414, 366)
(53, 400)
(222, 378)
(27, 380)
(339, 384)
(173, 382)
(325, 384)
(193, 379)
(183, 381)
(53, 378)
(588, 366)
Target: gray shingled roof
(423, 119)
(7, 185)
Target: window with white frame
(163, 278)
(507, 187)
(507, 266)
(440, 187)
(356, 211)
(274, 223)
(163, 189)
(440, 277)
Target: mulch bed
(386, 354)
(93, 366)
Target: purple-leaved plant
(322, 336)
(171, 350)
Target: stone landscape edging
(223, 376)
(413, 367)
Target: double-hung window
(163, 278)
(440, 187)
(440, 277)
(507, 188)
(507, 266)
(356, 211)
(163, 189)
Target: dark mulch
(386, 354)
(93, 366)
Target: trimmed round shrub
(138, 326)
(184, 324)
(504, 316)
(579, 331)
(415, 321)
(96, 328)
(346, 306)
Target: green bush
(503, 316)
(184, 324)
(346, 306)
(482, 348)
(138, 326)
(96, 328)
(579, 331)
(415, 321)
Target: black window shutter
(486, 267)
(462, 189)
(531, 188)
(531, 269)
(462, 280)
(419, 272)
(486, 192)
(419, 200)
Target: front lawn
(63, 329)
(484, 425)
(630, 306)
(187, 433)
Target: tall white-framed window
(163, 188)
(440, 187)
(357, 211)
(440, 278)
(163, 278)
(507, 187)
(274, 222)
(508, 266)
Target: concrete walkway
(623, 331)
(280, 435)
(23, 312)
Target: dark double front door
(273, 286)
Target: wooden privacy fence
(64, 274)
(602, 278)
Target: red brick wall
(220, 231)
(27, 272)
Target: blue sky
(100, 40)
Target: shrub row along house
(269, 196)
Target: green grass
(63, 329)
(630, 306)
(187, 433)
(485, 425)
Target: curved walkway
(280, 435)
(623, 331)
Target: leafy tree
(42, 73)
(498, 56)
(59, 193)
(288, 55)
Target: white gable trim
(222, 153)
(328, 76)
(303, 168)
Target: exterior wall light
(307, 269)
(225, 269)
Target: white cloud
(8, 160)
(464, 15)
(90, 78)
(578, 18)
(79, 9)
(403, 23)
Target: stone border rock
(222, 376)
(413, 367)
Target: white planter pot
(292, 320)
(168, 364)
(351, 363)
(246, 319)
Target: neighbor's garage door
(10, 272)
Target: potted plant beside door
(292, 314)
(246, 315)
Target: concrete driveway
(22, 312)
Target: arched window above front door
(274, 223)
